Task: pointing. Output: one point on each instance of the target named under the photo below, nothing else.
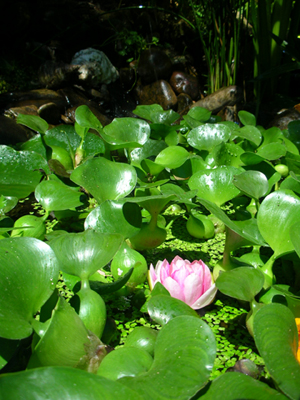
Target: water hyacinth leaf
(63, 136)
(33, 288)
(115, 217)
(35, 144)
(153, 204)
(277, 213)
(272, 151)
(192, 122)
(199, 114)
(85, 118)
(156, 114)
(206, 137)
(33, 122)
(56, 383)
(275, 328)
(104, 179)
(82, 254)
(56, 196)
(125, 361)
(272, 135)
(247, 229)
(20, 171)
(126, 132)
(294, 133)
(227, 154)
(162, 308)
(182, 365)
(150, 148)
(242, 283)
(252, 183)
(172, 157)
(293, 162)
(282, 294)
(92, 145)
(249, 158)
(250, 133)
(7, 203)
(247, 118)
(150, 167)
(216, 184)
(295, 237)
(190, 167)
(291, 182)
(236, 386)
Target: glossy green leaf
(237, 386)
(192, 122)
(215, 185)
(249, 158)
(104, 179)
(162, 308)
(93, 145)
(272, 151)
(63, 136)
(181, 365)
(125, 361)
(150, 148)
(19, 171)
(250, 133)
(247, 229)
(33, 122)
(276, 337)
(7, 203)
(282, 294)
(68, 383)
(277, 213)
(84, 117)
(292, 161)
(115, 217)
(271, 135)
(227, 154)
(291, 183)
(126, 132)
(295, 238)
(156, 114)
(28, 275)
(252, 183)
(247, 118)
(199, 114)
(242, 283)
(56, 196)
(206, 137)
(153, 204)
(294, 133)
(82, 254)
(172, 157)
(35, 144)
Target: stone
(50, 113)
(159, 92)
(226, 96)
(185, 83)
(183, 103)
(12, 133)
(284, 117)
(154, 65)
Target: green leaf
(247, 118)
(35, 144)
(206, 137)
(277, 213)
(162, 308)
(33, 122)
(184, 354)
(199, 114)
(252, 183)
(295, 237)
(242, 283)
(19, 171)
(56, 383)
(104, 179)
(115, 217)
(250, 133)
(126, 132)
(150, 148)
(28, 275)
(276, 337)
(216, 184)
(63, 136)
(82, 254)
(291, 183)
(56, 196)
(156, 114)
(237, 386)
(272, 151)
(227, 154)
(172, 157)
(84, 117)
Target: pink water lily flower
(186, 281)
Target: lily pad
(172, 157)
(206, 137)
(252, 183)
(126, 132)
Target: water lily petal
(203, 270)
(178, 263)
(206, 298)
(173, 288)
(163, 271)
(152, 277)
(192, 288)
(180, 276)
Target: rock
(284, 117)
(33, 97)
(50, 113)
(159, 92)
(185, 83)
(53, 74)
(95, 67)
(154, 65)
(226, 96)
(184, 102)
(26, 110)
(12, 133)
(127, 77)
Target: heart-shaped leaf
(85, 118)
(28, 275)
(82, 254)
(206, 137)
(252, 183)
(104, 179)
(156, 114)
(276, 337)
(216, 184)
(277, 213)
(247, 118)
(199, 114)
(172, 157)
(33, 122)
(55, 196)
(20, 171)
(272, 151)
(242, 283)
(150, 148)
(126, 132)
(227, 154)
(250, 133)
